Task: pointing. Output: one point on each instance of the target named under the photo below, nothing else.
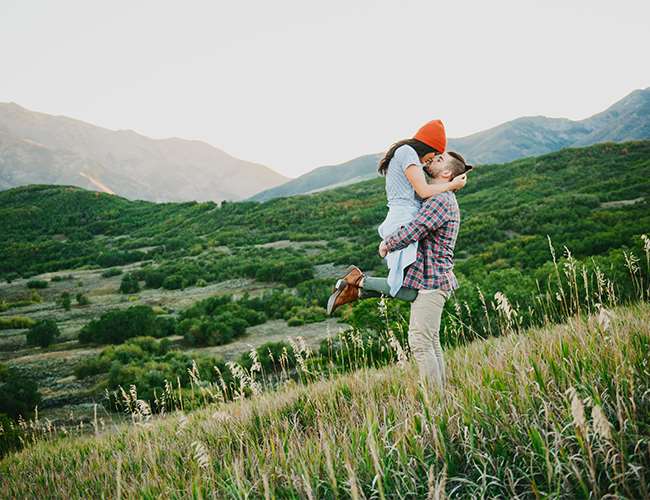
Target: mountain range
(627, 119)
(37, 148)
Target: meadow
(560, 412)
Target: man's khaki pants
(424, 336)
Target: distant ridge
(627, 119)
(37, 148)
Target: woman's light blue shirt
(398, 188)
(403, 204)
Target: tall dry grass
(557, 412)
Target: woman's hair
(420, 148)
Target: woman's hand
(383, 251)
(458, 182)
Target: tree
(18, 394)
(66, 302)
(43, 333)
(82, 300)
(129, 284)
(114, 327)
(37, 284)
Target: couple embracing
(418, 239)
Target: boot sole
(338, 288)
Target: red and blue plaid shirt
(435, 227)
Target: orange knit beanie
(433, 134)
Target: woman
(406, 187)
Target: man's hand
(458, 182)
(383, 251)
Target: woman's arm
(424, 189)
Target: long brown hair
(420, 148)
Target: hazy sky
(300, 84)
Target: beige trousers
(424, 336)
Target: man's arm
(430, 217)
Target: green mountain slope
(627, 119)
(591, 199)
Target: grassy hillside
(561, 411)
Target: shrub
(153, 278)
(11, 322)
(113, 271)
(217, 320)
(114, 327)
(295, 321)
(37, 284)
(43, 333)
(313, 314)
(129, 284)
(82, 299)
(61, 277)
(315, 291)
(173, 282)
(65, 300)
(11, 437)
(18, 393)
(147, 363)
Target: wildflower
(194, 372)
(631, 262)
(577, 410)
(604, 317)
(646, 243)
(183, 422)
(550, 245)
(569, 265)
(601, 424)
(503, 305)
(256, 366)
(383, 309)
(397, 348)
(201, 454)
(221, 416)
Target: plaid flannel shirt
(436, 228)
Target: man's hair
(457, 164)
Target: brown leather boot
(346, 289)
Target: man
(430, 280)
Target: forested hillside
(591, 200)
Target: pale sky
(299, 84)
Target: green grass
(510, 425)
